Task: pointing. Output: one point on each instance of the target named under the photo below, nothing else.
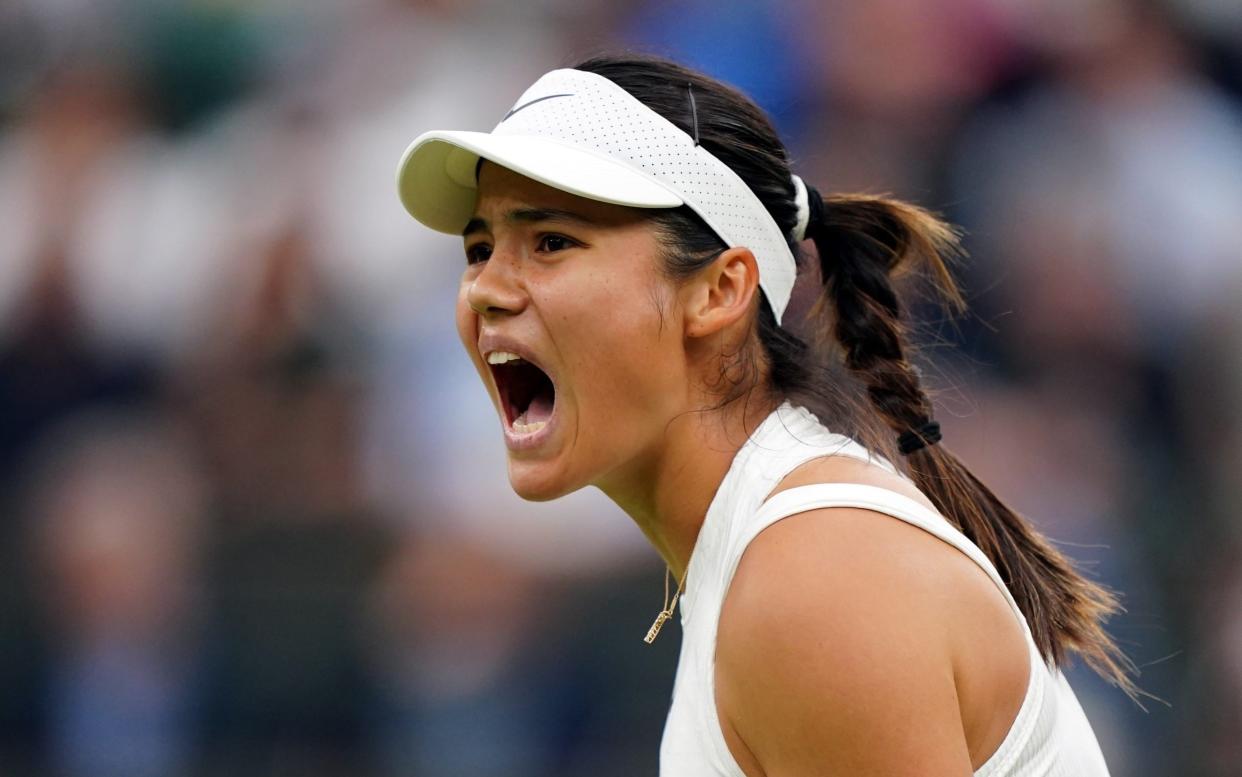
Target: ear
(721, 293)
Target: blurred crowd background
(255, 517)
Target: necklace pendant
(654, 631)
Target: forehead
(501, 190)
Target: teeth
(502, 357)
(522, 428)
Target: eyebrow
(529, 216)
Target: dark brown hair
(857, 344)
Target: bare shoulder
(840, 646)
(830, 655)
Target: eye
(551, 243)
(479, 252)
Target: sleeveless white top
(1050, 737)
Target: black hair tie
(916, 439)
(817, 212)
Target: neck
(668, 494)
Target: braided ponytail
(863, 242)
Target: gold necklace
(667, 612)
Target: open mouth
(526, 392)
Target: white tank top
(1050, 737)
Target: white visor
(581, 133)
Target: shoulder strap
(882, 500)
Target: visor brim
(436, 176)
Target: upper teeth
(501, 357)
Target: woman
(632, 233)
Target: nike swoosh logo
(532, 102)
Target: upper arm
(831, 657)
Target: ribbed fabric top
(1050, 737)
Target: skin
(928, 665)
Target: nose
(496, 290)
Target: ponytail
(864, 242)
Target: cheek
(468, 330)
(467, 319)
(624, 356)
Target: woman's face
(572, 288)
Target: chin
(534, 486)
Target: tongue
(540, 409)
